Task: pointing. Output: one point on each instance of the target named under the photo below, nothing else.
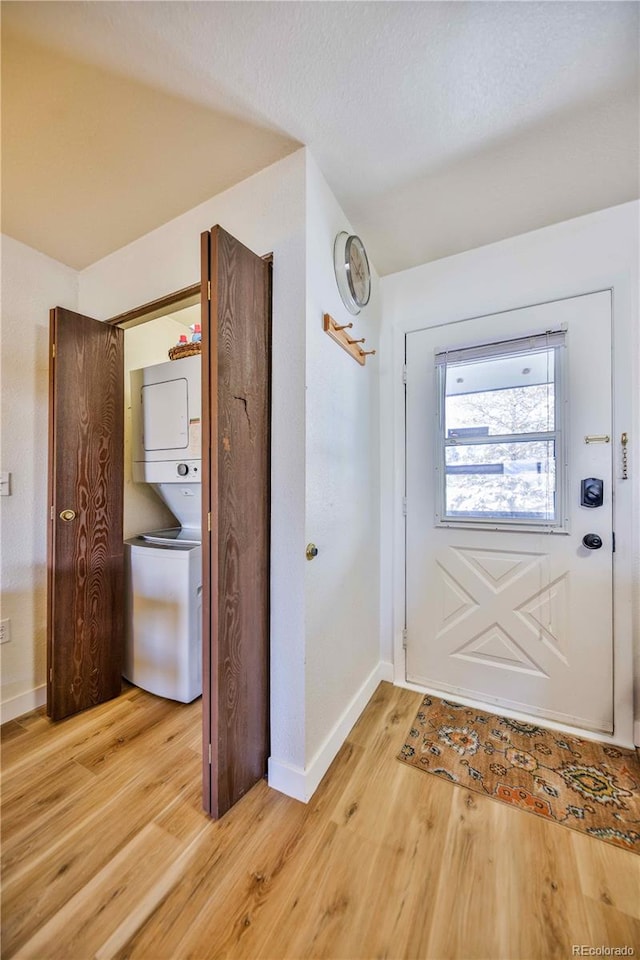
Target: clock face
(358, 272)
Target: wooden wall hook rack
(337, 333)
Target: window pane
(501, 395)
(513, 481)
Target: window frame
(521, 346)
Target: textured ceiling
(92, 160)
(439, 126)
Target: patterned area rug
(584, 785)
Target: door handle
(67, 515)
(592, 541)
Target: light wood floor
(107, 853)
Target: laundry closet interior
(162, 504)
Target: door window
(500, 455)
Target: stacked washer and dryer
(163, 643)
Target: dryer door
(165, 413)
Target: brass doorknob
(67, 515)
(311, 551)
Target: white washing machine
(163, 640)
(163, 649)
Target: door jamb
(186, 297)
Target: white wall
(267, 213)
(31, 285)
(144, 345)
(342, 590)
(589, 253)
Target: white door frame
(622, 367)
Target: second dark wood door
(236, 376)
(85, 548)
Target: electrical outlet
(5, 631)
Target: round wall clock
(353, 274)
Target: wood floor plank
(351, 898)
(11, 730)
(34, 720)
(22, 803)
(615, 928)
(242, 896)
(540, 884)
(37, 891)
(162, 724)
(48, 741)
(58, 825)
(608, 874)
(468, 888)
(124, 933)
(322, 918)
(221, 850)
(344, 799)
(80, 927)
(33, 841)
(107, 854)
(163, 937)
(261, 909)
(185, 820)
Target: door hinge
(404, 373)
(210, 754)
(50, 674)
(53, 351)
(613, 541)
(209, 522)
(208, 289)
(404, 506)
(404, 639)
(51, 515)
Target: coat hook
(338, 333)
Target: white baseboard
(301, 783)
(24, 703)
(636, 733)
(287, 779)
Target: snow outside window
(500, 453)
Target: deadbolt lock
(68, 515)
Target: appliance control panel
(168, 471)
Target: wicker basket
(184, 350)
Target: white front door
(506, 603)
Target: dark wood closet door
(236, 494)
(85, 548)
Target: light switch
(5, 484)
